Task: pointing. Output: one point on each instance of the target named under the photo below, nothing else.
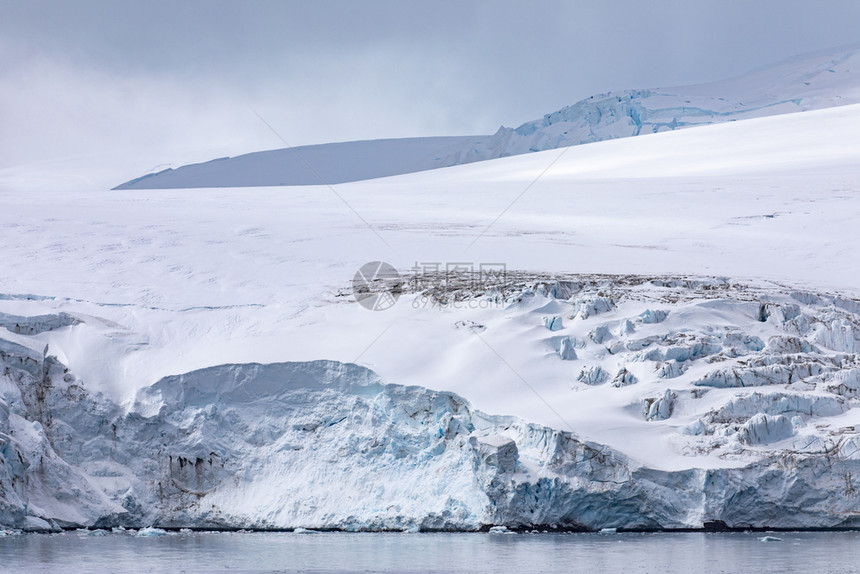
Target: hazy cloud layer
(179, 81)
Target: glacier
(331, 445)
(179, 359)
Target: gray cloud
(175, 81)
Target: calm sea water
(79, 553)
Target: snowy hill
(808, 82)
(311, 165)
(675, 342)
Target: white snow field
(675, 343)
(309, 165)
(812, 81)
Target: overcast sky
(180, 80)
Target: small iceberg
(151, 531)
(769, 539)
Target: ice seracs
(660, 408)
(763, 429)
(305, 444)
(566, 349)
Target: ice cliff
(328, 445)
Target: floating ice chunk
(500, 530)
(592, 375)
(301, 530)
(765, 429)
(608, 531)
(649, 316)
(566, 349)
(553, 323)
(151, 531)
(770, 539)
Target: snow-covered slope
(808, 82)
(312, 165)
(198, 358)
